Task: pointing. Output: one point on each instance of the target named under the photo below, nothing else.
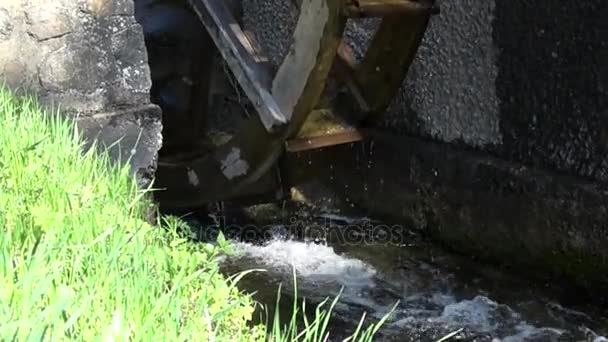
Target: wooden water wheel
(318, 79)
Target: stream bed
(374, 267)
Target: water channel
(373, 267)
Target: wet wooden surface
(385, 8)
(386, 63)
(285, 103)
(254, 150)
(243, 61)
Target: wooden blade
(239, 163)
(383, 8)
(229, 37)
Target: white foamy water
(426, 302)
(485, 315)
(480, 313)
(527, 332)
(310, 260)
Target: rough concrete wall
(553, 84)
(449, 93)
(525, 80)
(86, 57)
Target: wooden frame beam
(384, 8)
(253, 78)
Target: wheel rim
(259, 141)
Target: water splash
(312, 261)
(429, 307)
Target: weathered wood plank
(345, 66)
(228, 37)
(244, 160)
(385, 64)
(312, 143)
(323, 122)
(383, 8)
(307, 54)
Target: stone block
(76, 66)
(132, 136)
(131, 83)
(49, 19)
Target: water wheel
(318, 80)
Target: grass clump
(78, 261)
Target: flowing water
(437, 293)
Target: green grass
(78, 262)
(317, 328)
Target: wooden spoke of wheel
(386, 8)
(372, 84)
(282, 103)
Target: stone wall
(87, 58)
